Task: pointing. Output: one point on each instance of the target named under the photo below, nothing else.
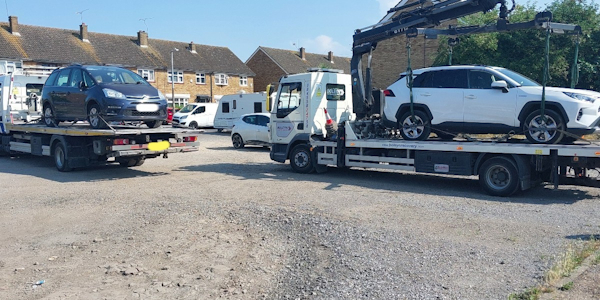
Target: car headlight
(161, 96)
(113, 94)
(581, 97)
(183, 118)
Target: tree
(523, 51)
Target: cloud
(323, 44)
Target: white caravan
(20, 95)
(232, 107)
(196, 115)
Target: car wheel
(132, 161)
(48, 116)
(415, 129)
(498, 176)
(153, 124)
(300, 160)
(60, 157)
(237, 140)
(540, 131)
(94, 118)
(194, 125)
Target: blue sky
(318, 25)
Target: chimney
(302, 53)
(193, 47)
(83, 33)
(14, 25)
(330, 56)
(143, 39)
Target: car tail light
(121, 142)
(188, 139)
(389, 93)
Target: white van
(232, 107)
(21, 94)
(196, 115)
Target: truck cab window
(289, 98)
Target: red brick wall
(266, 71)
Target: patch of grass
(563, 266)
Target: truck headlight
(113, 94)
(581, 97)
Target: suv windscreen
(115, 76)
(520, 79)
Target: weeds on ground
(565, 263)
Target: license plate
(159, 146)
(146, 107)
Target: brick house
(202, 73)
(270, 64)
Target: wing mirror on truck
(500, 85)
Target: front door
(287, 120)
(487, 106)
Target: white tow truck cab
(20, 94)
(299, 132)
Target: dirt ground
(231, 224)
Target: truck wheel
(60, 157)
(94, 117)
(237, 141)
(131, 161)
(538, 131)
(417, 129)
(153, 124)
(48, 116)
(498, 176)
(300, 160)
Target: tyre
(153, 124)
(548, 131)
(499, 176)
(94, 117)
(237, 141)
(417, 129)
(61, 160)
(131, 161)
(300, 159)
(194, 125)
(220, 130)
(48, 116)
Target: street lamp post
(173, 78)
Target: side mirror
(500, 85)
(82, 85)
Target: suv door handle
(470, 97)
(426, 94)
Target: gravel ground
(231, 224)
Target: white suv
(483, 99)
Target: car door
(442, 92)
(76, 95)
(59, 94)
(262, 129)
(287, 121)
(487, 106)
(249, 129)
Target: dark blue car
(101, 94)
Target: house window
(178, 76)
(200, 78)
(243, 80)
(146, 74)
(180, 102)
(221, 79)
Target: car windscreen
(115, 76)
(187, 109)
(520, 79)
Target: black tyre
(131, 161)
(48, 116)
(417, 129)
(194, 125)
(94, 117)
(300, 159)
(499, 176)
(548, 131)
(220, 130)
(237, 141)
(153, 124)
(61, 160)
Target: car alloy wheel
(49, 116)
